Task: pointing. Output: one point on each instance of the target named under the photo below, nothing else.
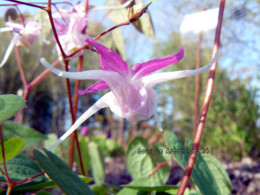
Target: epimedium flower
(71, 29)
(71, 25)
(132, 95)
(24, 35)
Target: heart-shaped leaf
(9, 105)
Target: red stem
(3, 156)
(197, 84)
(28, 179)
(159, 165)
(97, 37)
(29, 4)
(74, 136)
(205, 106)
(37, 80)
(99, 23)
(20, 66)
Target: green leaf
(61, 173)
(30, 136)
(119, 42)
(144, 185)
(12, 147)
(128, 191)
(83, 142)
(22, 167)
(219, 173)
(117, 16)
(64, 146)
(97, 163)
(9, 105)
(207, 170)
(144, 24)
(29, 187)
(140, 164)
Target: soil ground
(244, 175)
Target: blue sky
(167, 18)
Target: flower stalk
(205, 106)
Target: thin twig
(29, 4)
(205, 106)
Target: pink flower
(132, 95)
(23, 35)
(71, 29)
(73, 23)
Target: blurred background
(232, 131)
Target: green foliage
(30, 136)
(45, 184)
(207, 170)
(143, 186)
(64, 146)
(97, 163)
(231, 124)
(61, 173)
(9, 105)
(21, 167)
(83, 143)
(108, 147)
(140, 163)
(12, 147)
(230, 130)
(143, 24)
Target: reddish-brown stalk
(133, 18)
(28, 179)
(159, 165)
(197, 84)
(28, 4)
(205, 106)
(20, 15)
(37, 80)
(97, 37)
(98, 24)
(9, 181)
(20, 66)
(74, 136)
(66, 62)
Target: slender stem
(97, 37)
(66, 62)
(23, 79)
(25, 95)
(42, 76)
(159, 165)
(49, 12)
(28, 179)
(86, 5)
(3, 156)
(98, 24)
(29, 4)
(20, 15)
(2, 171)
(74, 136)
(37, 80)
(204, 110)
(20, 66)
(197, 84)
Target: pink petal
(146, 68)
(61, 28)
(98, 86)
(110, 60)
